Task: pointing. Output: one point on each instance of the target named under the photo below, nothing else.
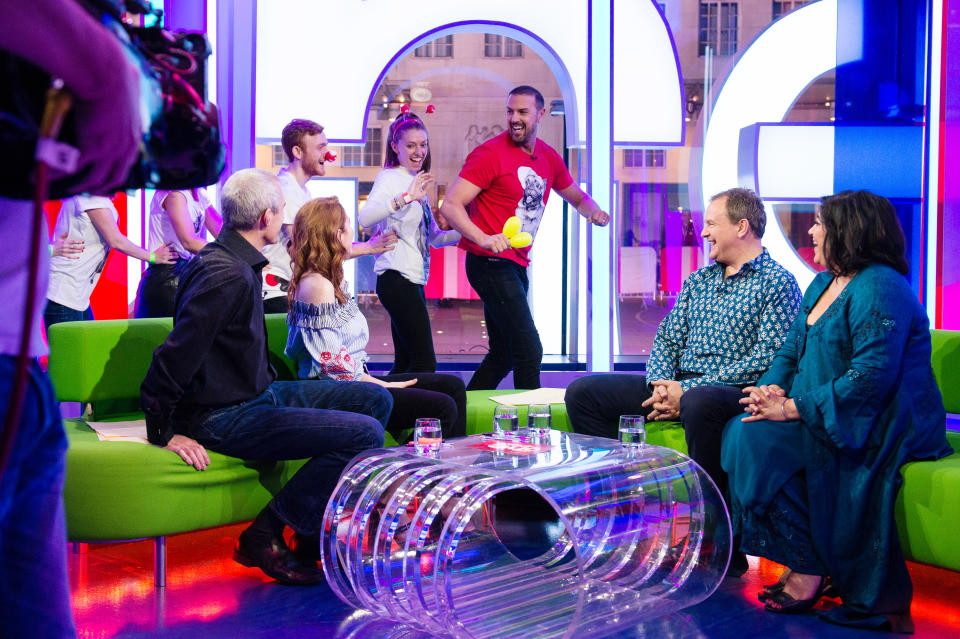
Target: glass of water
(506, 422)
(633, 431)
(538, 420)
(427, 436)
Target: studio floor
(208, 595)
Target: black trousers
(278, 304)
(434, 395)
(157, 293)
(409, 323)
(595, 403)
(513, 338)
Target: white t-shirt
(416, 228)
(16, 222)
(72, 281)
(161, 228)
(277, 274)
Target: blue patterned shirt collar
(756, 264)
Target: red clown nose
(405, 108)
(330, 157)
(431, 108)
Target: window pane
(492, 46)
(373, 149)
(279, 157)
(728, 28)
(704, 35)
(423, 51)
(443, 47)
(632, 158)
(709, 12)
(352, 156)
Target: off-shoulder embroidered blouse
(327, 340)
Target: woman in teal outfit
(814, 463)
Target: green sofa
(122, 491)
(928, 506)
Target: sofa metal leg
(159, 562)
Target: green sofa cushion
(480, 412)
(126, 490)
(276, 342)
(106, 360)
(946, 366)
(668, 434)
(928, 509)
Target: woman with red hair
(328, 333)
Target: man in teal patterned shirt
(721, 335)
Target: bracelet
(783, 410)
(153, 258)
(51, 249)
(400, 201)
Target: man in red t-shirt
(511, 174)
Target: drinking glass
(633, 431)
(427, 435)
(506, 422)
(538, 420)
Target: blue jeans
(34, 595)
(513, 338)
(54, 313)
(328, 421)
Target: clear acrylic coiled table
(560, 537)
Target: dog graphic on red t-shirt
(530, 207)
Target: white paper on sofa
(538, 396)
(131, 431)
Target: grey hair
(744, 204)
(246, 195)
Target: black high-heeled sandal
(777, 586)
(784, 604)
(829, 590)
